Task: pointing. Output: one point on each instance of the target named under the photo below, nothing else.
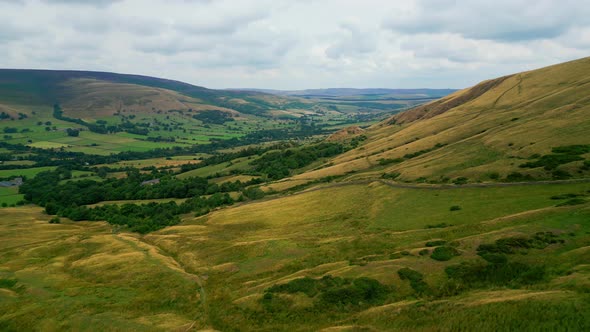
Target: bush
(390, 176)
(7, 283)
(560, 174)
(455, 208)
(424, 252)
(55, 220)
(552, 161)
(512, 245)
(409, 274)
(441, 225)
(435, 243)
(518, 177)
(565, 196)
(494, 175)
(573, 201)
(304, 285)
(334, 291)
(416, 280)
(572, 149)
(460, 180)
(444, 253)
(477, 274)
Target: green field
(9, 196)
(28, 172)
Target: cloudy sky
(284, 44)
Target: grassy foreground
(216, 271)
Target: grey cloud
(508, 21)
(353, 43)
(223, 24)
(94, 3)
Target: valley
(151, 204)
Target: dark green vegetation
(444, 253)
(330, 293)
(277, 165)
(70, 198)
(561, 155)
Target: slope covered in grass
(482, 133)
(338, 250)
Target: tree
(73, 132)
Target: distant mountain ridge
(45, 87)
(334, 92)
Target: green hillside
(484, 133)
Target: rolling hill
(106, 93)
(483, 133)
(137, 111)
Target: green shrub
(416, 280)
(409, 274)
(384, 161)
(560, 174)
(494, 258)
(441, 225)
(552, 161)
(390, 176)
(435, 243)
(304, 285)
(477, 274)
(444, 253)
(55, 220)
(7, 283)
(565, 196)
(518, 177)
(361, 291)
(494, 175)
(455, 208)
(512, 245)
(572, 149)
(460, 180)
(573, 201)
(424, 252)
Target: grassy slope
(80, 273)
(524, 114)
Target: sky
(285, 44)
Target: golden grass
(527, 113)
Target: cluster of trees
(279, 164)
(45, 188)
(73, 132)
(143, 218)
(69, 199)
(213, 117)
